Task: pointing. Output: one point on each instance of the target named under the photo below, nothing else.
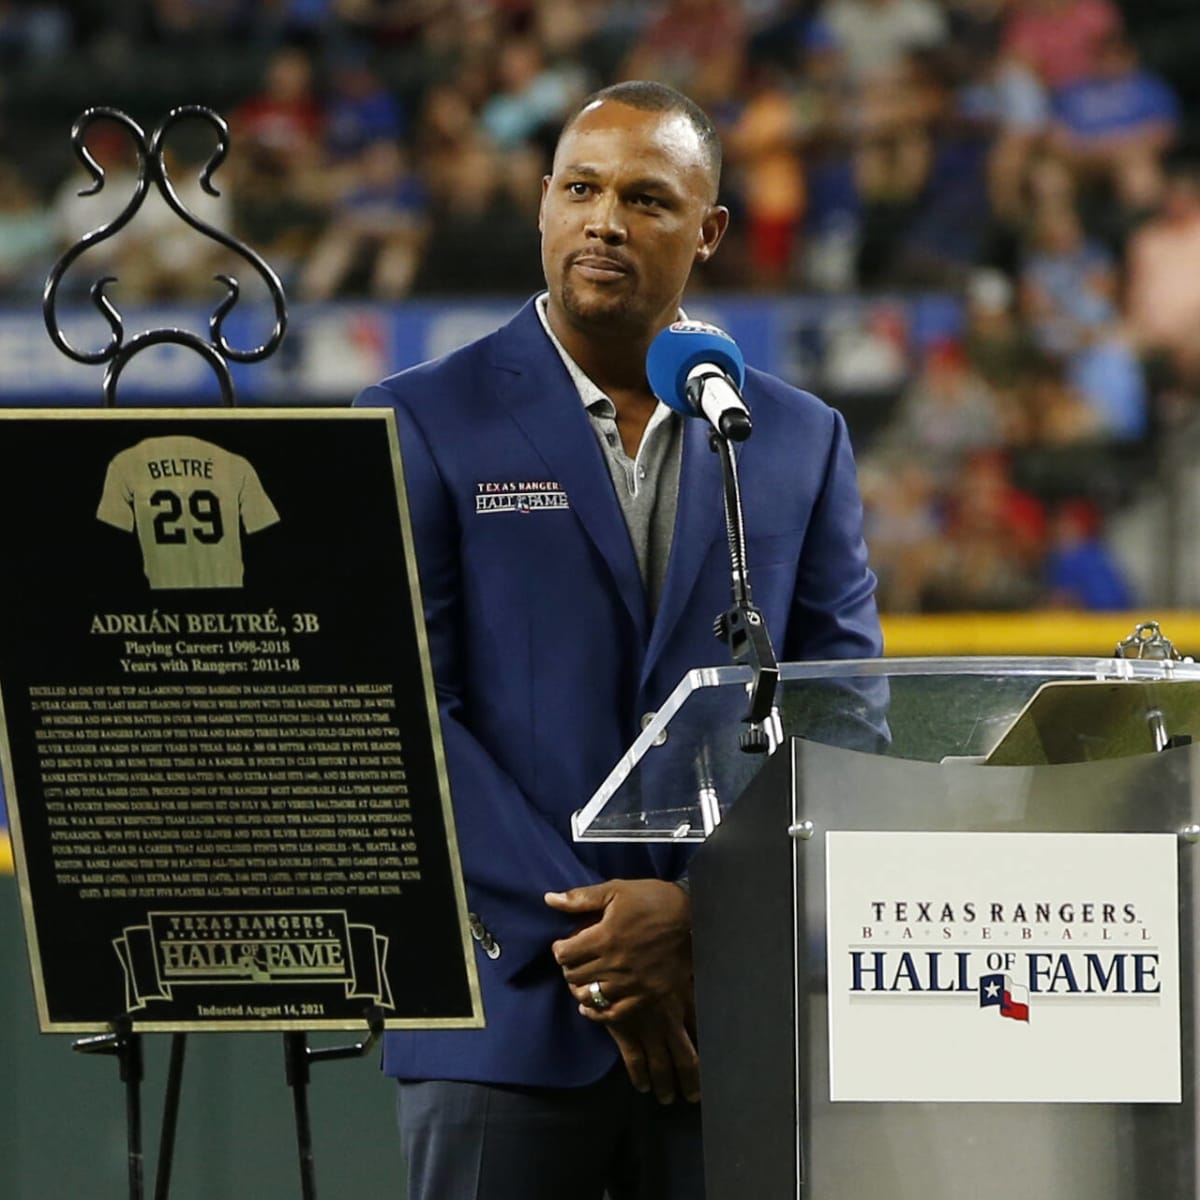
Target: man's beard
(594, 307)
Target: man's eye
(647, 201)
(578, 189)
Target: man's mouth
(599, 268)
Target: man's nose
(604, 221)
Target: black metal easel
(123, 1042)
(152, 170)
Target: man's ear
(542, 204)
(712, 230)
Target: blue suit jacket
(545, 656)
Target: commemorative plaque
(227, 789)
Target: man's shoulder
(763, 389)
(459, 370)
(445, 371)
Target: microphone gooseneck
(698, 370)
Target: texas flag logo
(999, 990)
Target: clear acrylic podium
(1050, 745)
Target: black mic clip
(744, 631)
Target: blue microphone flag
(682, 346)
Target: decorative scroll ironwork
(153, 171)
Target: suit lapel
(699, 519)
(535, 387)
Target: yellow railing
(1071, 633)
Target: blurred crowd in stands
(1026, 156)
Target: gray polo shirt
(647, 486)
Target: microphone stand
(741, 626)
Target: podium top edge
(1042, 666)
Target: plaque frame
(210, 418)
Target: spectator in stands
(762, 148)
(445, 130)
(285, 190)
(1115, 124)
(1049, 183)
(1109, 378)
(992, 543)
(532, 97)
(377, 226)
(1059, 414)
(481, 239)
(167, 260)
(876, 37)
(359, 109)
(1163, 280)
(26, 236)
(975, 26)
(946, 413)
(1009, 101)
(566, 32)
(901, 525)
(278, 215)
(390, 22)
(306, 21)
(285, 118)
(1080, 570)
(1059, 38)
(826, 111)
(997, 345)
(187, 21)
(1068, 283)
(1069, 299)
(33, 32)
(893, 160)
(698, 46)
(865, 350)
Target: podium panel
(759, 900)
(1087, 1090)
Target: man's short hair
(649, 96)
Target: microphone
(698, 370)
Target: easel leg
(296, 1061)
(126, 1047)
(170, 1117)
(132, 1070)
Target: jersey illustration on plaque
(189, 501)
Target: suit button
(483, 936)
(661, 737)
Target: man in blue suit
(572, 552)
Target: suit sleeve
(510, 853)
(833, 611)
